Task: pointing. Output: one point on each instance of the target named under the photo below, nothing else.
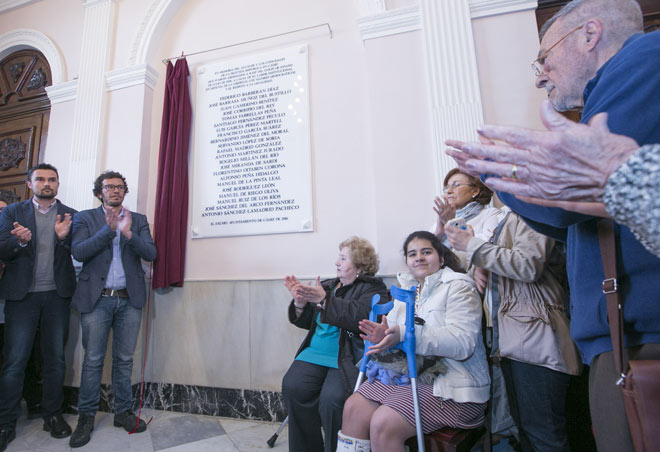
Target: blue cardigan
(627, 87)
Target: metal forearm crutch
(271, 441)
(376, 310)
(407, 346)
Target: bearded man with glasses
(110, 241)
(37, 285)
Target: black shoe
(57, 426)
(83, 431)
(7, 435)
(127, 420)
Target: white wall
(506, 45)
(373, 166)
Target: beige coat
(533, 326)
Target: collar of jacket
(444, 275)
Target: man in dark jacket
(110, 241)
(37, 285)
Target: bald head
(620, 18)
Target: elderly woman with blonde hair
(324, 372)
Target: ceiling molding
(140, 74)
(402, 20)
(62, 92)
(7, 5)
(485, 8)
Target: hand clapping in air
(305, 293)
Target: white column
(89, 114)
(452, 74)
(128, 129)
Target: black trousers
(314, 397)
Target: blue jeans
(124, 319)
(50, 313)
(537, 399)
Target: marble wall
(223, 334)
(214, 347)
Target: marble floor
(167, 432)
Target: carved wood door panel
(24, 113)
(20, 141)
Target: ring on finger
(514, 171)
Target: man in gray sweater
(37, 285)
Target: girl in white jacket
(447, 326)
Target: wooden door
(24, 113)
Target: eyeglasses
(110, 187)
(454, 186)
(537, 64)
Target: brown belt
(121, 293)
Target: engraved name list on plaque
(252, 157)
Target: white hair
(620, 18)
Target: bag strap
(611, 291)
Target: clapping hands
(380, 334)
(305, 293)
(22, 234)
(445, 212)
(63, 226)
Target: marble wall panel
(201, 335)
(274, 340)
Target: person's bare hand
(445, 212)
(63, 226)
(480, 276)
(311, 293)
(292, 283)
(111, 218)
(372, 331)
(124, 224)
(570, 161)
(22, 234)
(390, 339)
(459, 238)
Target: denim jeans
(50, 313)
(124, 319)
(537, 398)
